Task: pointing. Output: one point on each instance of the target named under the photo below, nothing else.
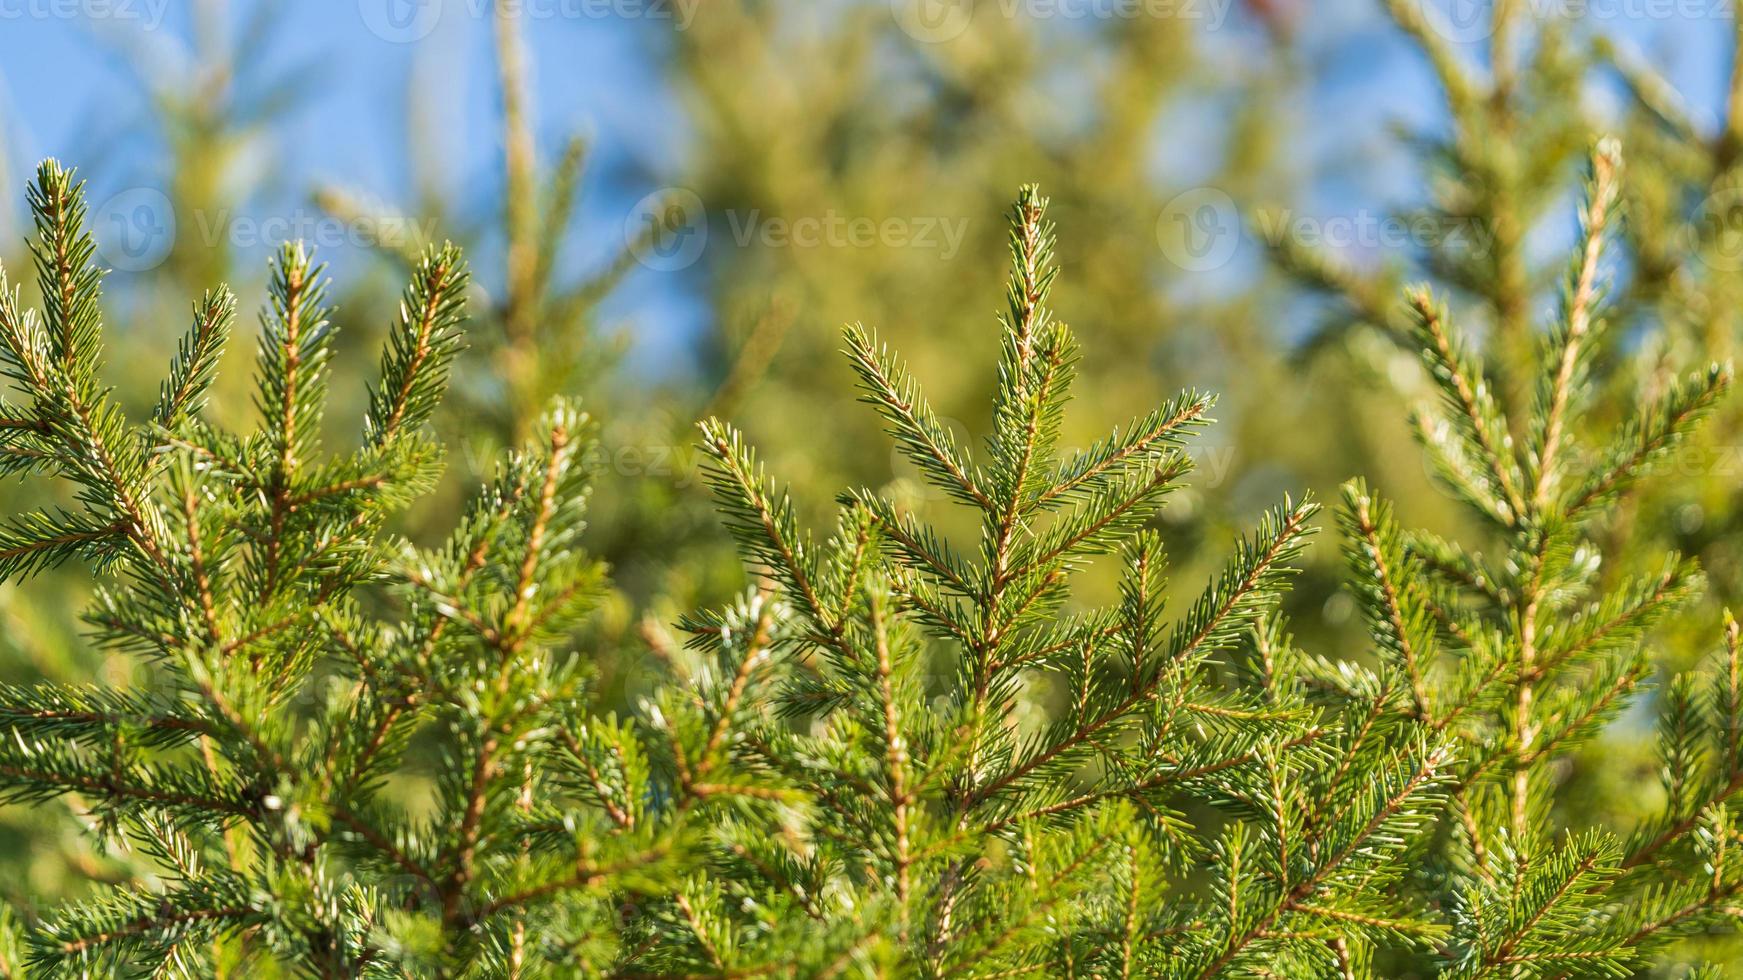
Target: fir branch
(414, 365)
(196, 361)
(1569, 345)
(1219, 617)
(1474, 409)
(1397, 623)
(912, 422)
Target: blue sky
(591, 73)
(594, 75)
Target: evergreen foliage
(899, 753)
(942, 834)
(533, 334)
(209, 106)
(1518, 122)
(261, 757)
(1524, 655)
(1516, 114)
(536, 333)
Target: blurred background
(672, 207)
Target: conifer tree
(1526, 651)
(537, 334)
(899, 753)
(1518, 124)
(940, 832)
(205, 113)
(1515, 122)
(323, 790)
(792, 121)
(534, 334)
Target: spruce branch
(1570, 344)
(414, 366)
(1541, 648)
(284, 703)
(1483, 437)
(917, 797)
(196, 361)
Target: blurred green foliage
(804, 112)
